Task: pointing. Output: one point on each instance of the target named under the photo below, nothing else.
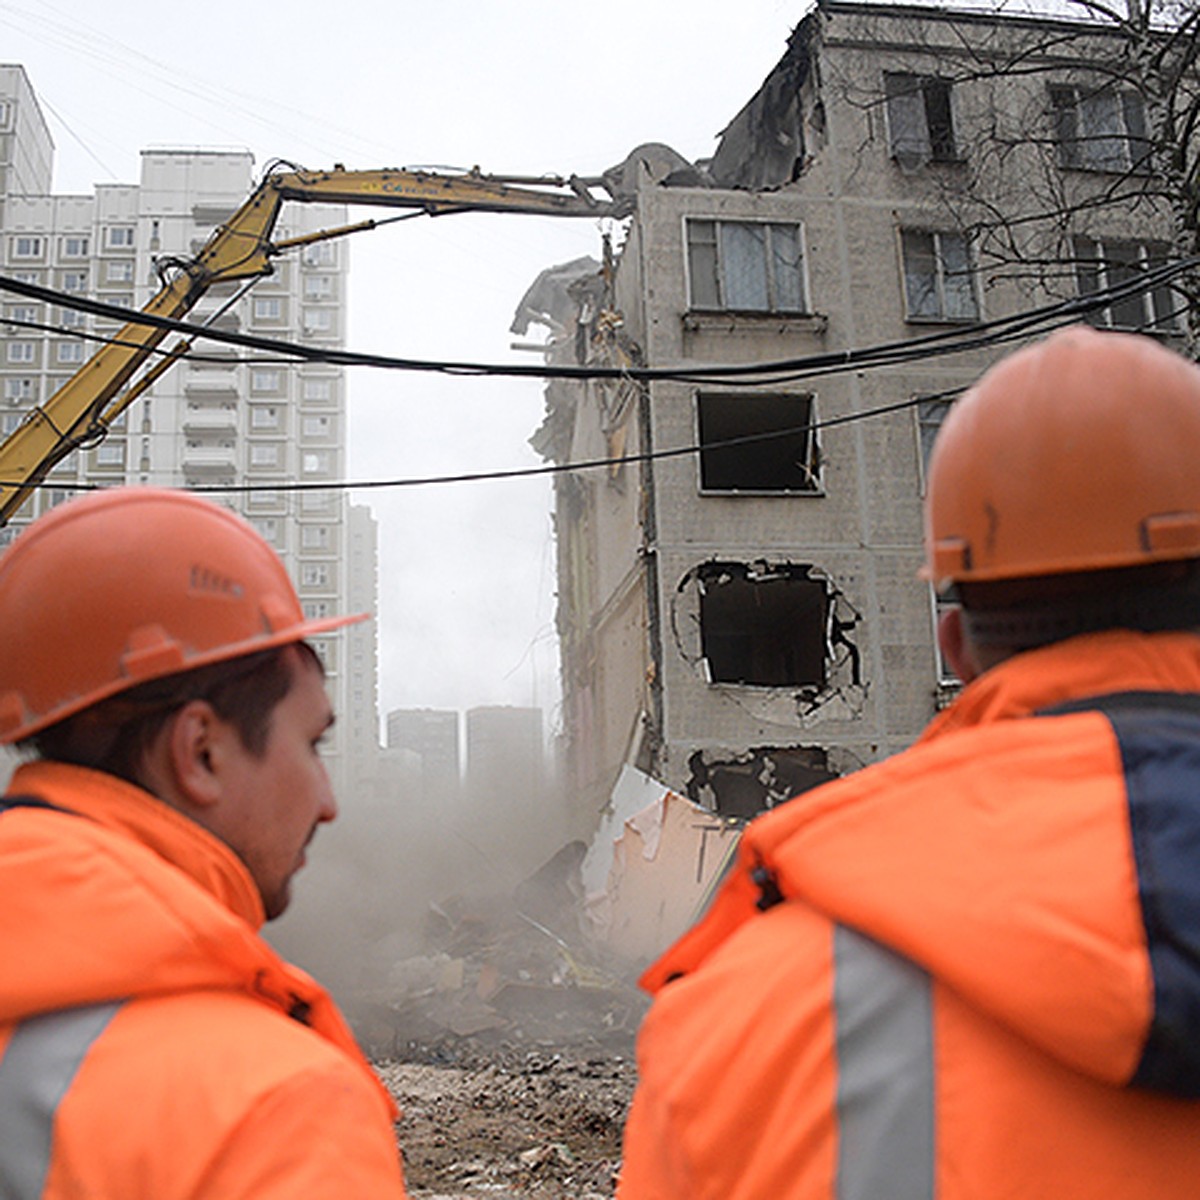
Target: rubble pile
(500, 975)
(507, 1041)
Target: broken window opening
(764, 626)
(783, 457)
(743, 785)
(920, 119)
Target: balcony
(210, 420)
(210, 459)
(221, 383)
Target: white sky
(466, 571)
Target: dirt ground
(504, 1122)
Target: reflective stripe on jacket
(152, 1045)
(983, 979)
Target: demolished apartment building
(744, 622)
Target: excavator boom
(241, 249)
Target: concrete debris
(659, 163)
(663, 866)
(766, 145)
(511, 968)
(548, 300)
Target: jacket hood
(1015, 883)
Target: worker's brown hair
(113, 736)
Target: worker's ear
(195, 746)
(956, 645)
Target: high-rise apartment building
(223, 418)
(431, 734)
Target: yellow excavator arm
(241, 249)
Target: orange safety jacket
(152, 1045)
(970, 972)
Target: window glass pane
(786, 268)
(930, 415)
(957, 285)
(743, 256)
(1124, 265)
(1063, 102)
(1100, 121)
(1163, 302)
(907, 130)
(920, 274)
(1134, 113)
(702, 264)
(1087, 276)
(938, 119)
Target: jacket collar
(137, 814)
(1096, 664)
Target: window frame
(712, 295)
(119, 237)
(940, 275)
(1104, 258)
(928, 428)
(266, 418)
(266, 380)
(932, 139)
(34, 246)
(19, 389)
(1069, 106)
(264, 456)
(317, 320)
(318, 390)
(69, 245)
(267, 308)
(318, 287)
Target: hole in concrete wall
(744, 785)
(788, 461)
(764, 626)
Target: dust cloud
(437, 916)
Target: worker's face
(274, 802)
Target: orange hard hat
(1079, 453)
(130, 584)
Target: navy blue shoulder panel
(1160, 753)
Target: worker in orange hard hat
(973, 970)
(152, 1045)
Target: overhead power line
(917, 350)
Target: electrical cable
(973, 337)
(984, 334)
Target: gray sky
(466, 571)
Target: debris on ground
(519, 968)
(507, 1040)
(496, 1124)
